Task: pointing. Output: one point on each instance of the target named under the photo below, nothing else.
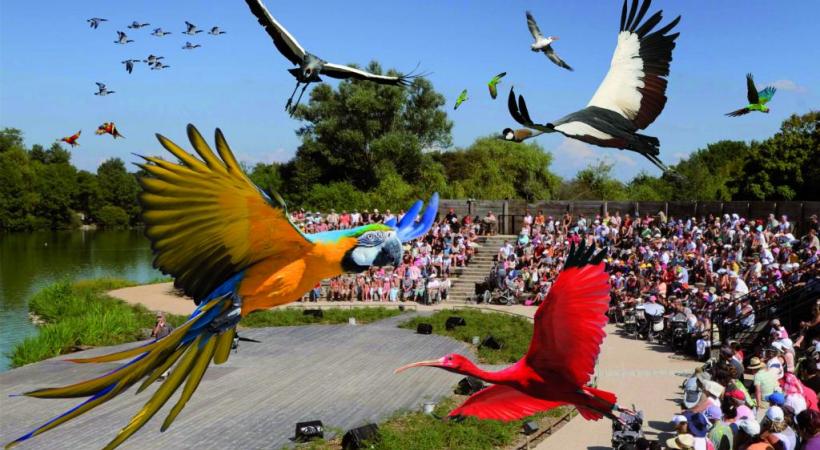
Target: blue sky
(50, 59)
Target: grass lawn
(513, 332)
(285, 317)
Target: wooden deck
(340, 374)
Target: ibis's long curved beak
(432, 363)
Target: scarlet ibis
(72, 140)
(632, 95)
(109, 128)
(757, 100)
(544, 44)
(311, 66)
(568, 332)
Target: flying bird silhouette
(493, 83)
(136, 25)
(632, 94)
(311, 66)
(158, 32)
(109, 128)
(757, 100)
(129, 64)
(122, 38)
(94, 22)
(519, 135)
(152, 59)
(544, 44)
(102, 90)
(159, 66)
(568, 330)
(189, 46)
(232, 248)
(462, 97)
(215, 31)
(191, 29)
(72, 140)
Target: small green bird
(757, 100)
(493, 83)
(461, 98)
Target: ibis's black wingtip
(583, 255)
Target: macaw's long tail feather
(192, 347)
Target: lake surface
(30, 261)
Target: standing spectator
(765, 382)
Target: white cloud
(789, 85)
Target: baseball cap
(775, 414)
(776, 398)
(749, 426)
(713, 413)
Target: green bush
(112, 217)
(515, 333)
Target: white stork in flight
(632, 94)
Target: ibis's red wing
(499, 402)
(569, 324)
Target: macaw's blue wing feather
(766, 94)
(391, 222)
(409, 229)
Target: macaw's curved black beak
(390, 253)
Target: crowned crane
(632, 94)
(519, 135)
(136, 25)
(191, 29)
(122, 38)
(544, 44)
(102, 90)
(757, 100)
(94, 22)
(311, 66)
(159, 32)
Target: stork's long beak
(430, 363)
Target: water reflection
(29, 261)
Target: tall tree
(118, 187)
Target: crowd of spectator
(424, 273)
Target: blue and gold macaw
(234, 250)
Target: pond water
(30, 261)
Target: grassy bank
(422, 432)
(80, 314)
(286, 317)
(513, 332)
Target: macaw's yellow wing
(207, 221)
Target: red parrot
(561, 359)
(109, 128)
(72, 140)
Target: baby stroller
(630, 323)
(629, 432)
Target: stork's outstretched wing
(550, 52)
(284, 41)
(533, 26)
(569, 324)
(635, 86)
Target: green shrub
(112, 217)
(286, 317)
(513, 332)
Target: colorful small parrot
(757, 100)
(493, 83)
(72, 140)
(234, 249)
(109, 128)
(461, 98)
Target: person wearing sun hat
(765, 382)
(681, 442)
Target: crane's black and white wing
(284, 41)
(635, 86)
(344, 72)
(550, 52)
(533, 26)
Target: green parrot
(757, 100)
(461, 98)
(494, 82)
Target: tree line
(365, 145)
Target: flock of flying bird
(153, 61)
(230, 272)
